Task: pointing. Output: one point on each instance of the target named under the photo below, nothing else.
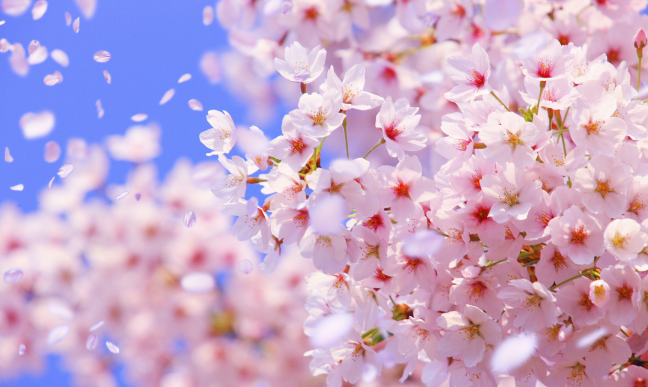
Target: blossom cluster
(524, 256)
(136, 284)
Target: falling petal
(57, 334)
(4, 45)
(287, 7)
(53, 79)
(97, 326)
(19, 63)
(591, 338)
(210, 66)
(15, 7)
(513, 352)
(35, 125)
(369, 373)
(112, 347)
(122, 195)
(39, 56)
(13, 276)
(100, 111)
(107, 76)
(60, 57)
(21, 349)
(184, 78)
(194, 104)
(91, 342)
(102, 56)
(138, 196)
(331, 329)
(423, 243)
(33, 45)
(189, 219)
(52, 151)
(49, 186)
(197, 282)
(167, 96)
(75, 25)
(87, 7)
(60, 310)
(327, 214)
(502, 14)
(18, 187)
(39, 9)
(2, 22)
(208, 15)
(245, 266)
(8, 157)
(68, 19)
(139, 117)
(271, 7)
(65, 170)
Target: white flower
(221, 138)
(471, 76)
(319, 114)
(510, 141)
(299, 65)
(398, 123)
(351, 88)
(624, 239)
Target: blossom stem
(640, 55)
(303, 88)
(500, 101)
(392, 300)
(255, 180)
(317, 150)
(585, 272)
(533, 262)
(346, 141)
(491, 264)
(542, 86)
(382, 141)
(276, 160)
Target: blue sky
(152, 43)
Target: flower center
(324, 241)
(549, 94)
(318, 116)
(481, 213)
(510, 197)
(512, 139)
(301, 218)
(543, 218)
(559, 262)
(476, 78)
(475, 179)
(599, 293)
(584, 302)
(603, 188)
(636, 205)
(476, 290)
(579, 235)
(311, 13)
(380, 275)
(401, 190)
(373, 223)
(544, 68)
(563, 39)
(471, 331)
(461, 145)
(620, 240)
(392, 132)
(296, 145)
(625, 292)
(593, 127)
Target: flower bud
(640, 40)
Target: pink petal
(33, 45)
(107, 76)
(21, 349)
(53, 79)
(68, 19)
(167, 96)
(15, 7)
(52, 152)
(4, 45)
(36, 125)
(112, 347)
(194, 104)
(91, 342)
(13, 276)
(287, 7)
(210, 66)
(18, 187)
(184, 78)
(189, 219)
(75, 25)
(102, 56)
(208, 15)
(245, 266)
(87, 7)
(139, 117)
(18, 61)
(39, 9)
(57, 334)
(8, 157)
(65, 170)
(39, 56)
(100, 111)
(60, 57)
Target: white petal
(189, 219)
(15, 7)
(38, 56)
(18, 187)
(330, 330)
(60, 310)
(39, 9)
(33, 45)
(87, 7)
(97, 326)
(21, 349)
(53, 79)
(8, 157)
(167, 96)
(13, 276)
(68, 19)
(65, 170)
(35, 125)
(75, 25)
(245, 266)
(287, 7)
(139, 117)
(208, 15)
(122, 195)
(60, 57)
(112, 347)
(100, 110)
(184, 78)
(197, 282)
(423, 243)
(102, 56)
(326, 215)
(91, 342)
(194, 104)
(49, 186)
(513, 352)
(210, 66)
(57, 334)
(2, 22)
(107, 76)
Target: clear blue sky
(152, 43)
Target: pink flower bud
(640, 40)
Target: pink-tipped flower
(640, 39)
